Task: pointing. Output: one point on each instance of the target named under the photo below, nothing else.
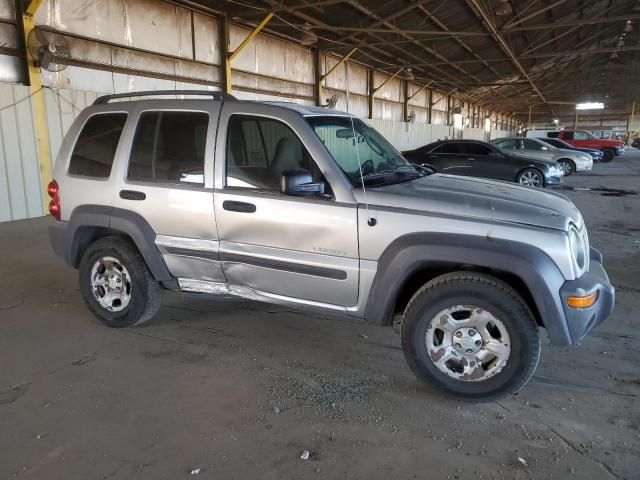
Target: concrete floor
(240, 389)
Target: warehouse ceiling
(507, 55)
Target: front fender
(411, 253)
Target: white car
(570, 160)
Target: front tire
(117, 285)
(531, 177)
(608, 155)
(470, 335)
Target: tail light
(54, 204)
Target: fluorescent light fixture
(487, 124)
(556, 121)
(590, 106)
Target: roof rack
(215, 95)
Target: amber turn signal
(583, 302)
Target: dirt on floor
(230, 389)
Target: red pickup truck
(584, 139)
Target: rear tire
(609, 154)
(567, 166)
(117, 285)
(531, 177)
(471, 335)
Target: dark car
(480, 159)
(636, 143)
(597, 155)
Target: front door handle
(132, 195)
(234, 206)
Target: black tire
(568, 167)
(523, 173)
(491, 295)
(146, 294)
(609, 154)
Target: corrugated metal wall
(130, 45)
(19, 173)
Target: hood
(567, 151)
(478, 198)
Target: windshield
(349, 140)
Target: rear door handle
(132, 195)
(234, 206)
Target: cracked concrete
(240, 389)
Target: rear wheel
(567, 166)
(470, 335)
(609, 153)
(117, 285)
(531, 178)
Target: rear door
(487, 162)
(450, 158)
(166, 176)
(304, 249)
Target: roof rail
(215, 95)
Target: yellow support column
(231, 55)
(37, 104)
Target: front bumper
(549, 180)
(583, 165)
(619, 150)
(581, 321)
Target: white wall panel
(7, 10)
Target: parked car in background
(480, 159)
(584, 139)
(636, 143)
(596, 155)
(570, 160)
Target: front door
(301, 248)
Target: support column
(405, 100)
(430, 103)
(371, 93)
(317, 65)
(225, 64)
(25, 24)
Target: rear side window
(168, 147)
(449, 148)
(96, 146)
(568, 136)
(477, 149)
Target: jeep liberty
(196, 191)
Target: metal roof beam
(572, 23)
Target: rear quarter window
(96, 146)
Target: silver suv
(313, 208)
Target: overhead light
(614, 55)
(556, 121)
(503, 9)
(590, 106)
(308, 37)
(628, 27)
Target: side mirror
(426, 168)
(298, 183)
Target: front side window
(532, 145)
(510, 144)
(260, 149)
(361, 152)
(96, 146)
(568, 136)
(580, 136)
(169, 147)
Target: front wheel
(608, 154)
(470, 335)
(531, 178)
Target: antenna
(370, 220)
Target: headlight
(585, 157)
(578, 248)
